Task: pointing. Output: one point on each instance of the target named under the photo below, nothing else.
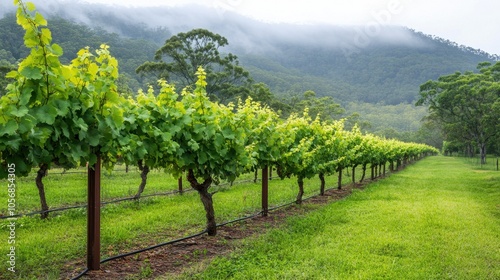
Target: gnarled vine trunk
(144, 177)
(322, 186)
(300, 182)
(206, 199)
(42, 172)
(364, 174)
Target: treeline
(71, 114)
(466, 106)
(381, 74)
(133, 53)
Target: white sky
(474, 23)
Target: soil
(175, 258)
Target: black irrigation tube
(191, 236)
(197, 234)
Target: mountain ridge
(386, 68)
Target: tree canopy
(184, 53)
(466, 105)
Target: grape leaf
(32, 72)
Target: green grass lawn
(438, 219)
(45, 247)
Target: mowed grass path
(438, 219)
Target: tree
(464, 103)
(325, 106)
(7, 62)
(430, 133)
(181, 56)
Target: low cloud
(244, 34)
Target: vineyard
(67, 116)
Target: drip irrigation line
(240, 219)
(81, 274)
(196, 234)
(153, 247)
(178, 240)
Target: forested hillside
(385, 69)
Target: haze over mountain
(378, 64)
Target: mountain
(352, 65)
(345, 62)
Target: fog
(244, 34)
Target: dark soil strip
(174, 258)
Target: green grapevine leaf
(8, 128)
(31, 72)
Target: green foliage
(184, 53)
(466, 105)
(324, 107)
(150, 125)
(262, 135)
(55, 113)
(297, 146)
(213, 142)
(131, 52)
(414, 225)
(380, 73)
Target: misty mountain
(350, 63)
(376, 72)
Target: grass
(71, 188)
(475, 162)
(46, 247)
(439, 219)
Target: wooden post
(179, 183)
(354, 175)
(265, 191)
(94, 216)
(339, 182)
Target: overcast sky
(474, 23)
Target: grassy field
(439, 219)
(45, 247)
